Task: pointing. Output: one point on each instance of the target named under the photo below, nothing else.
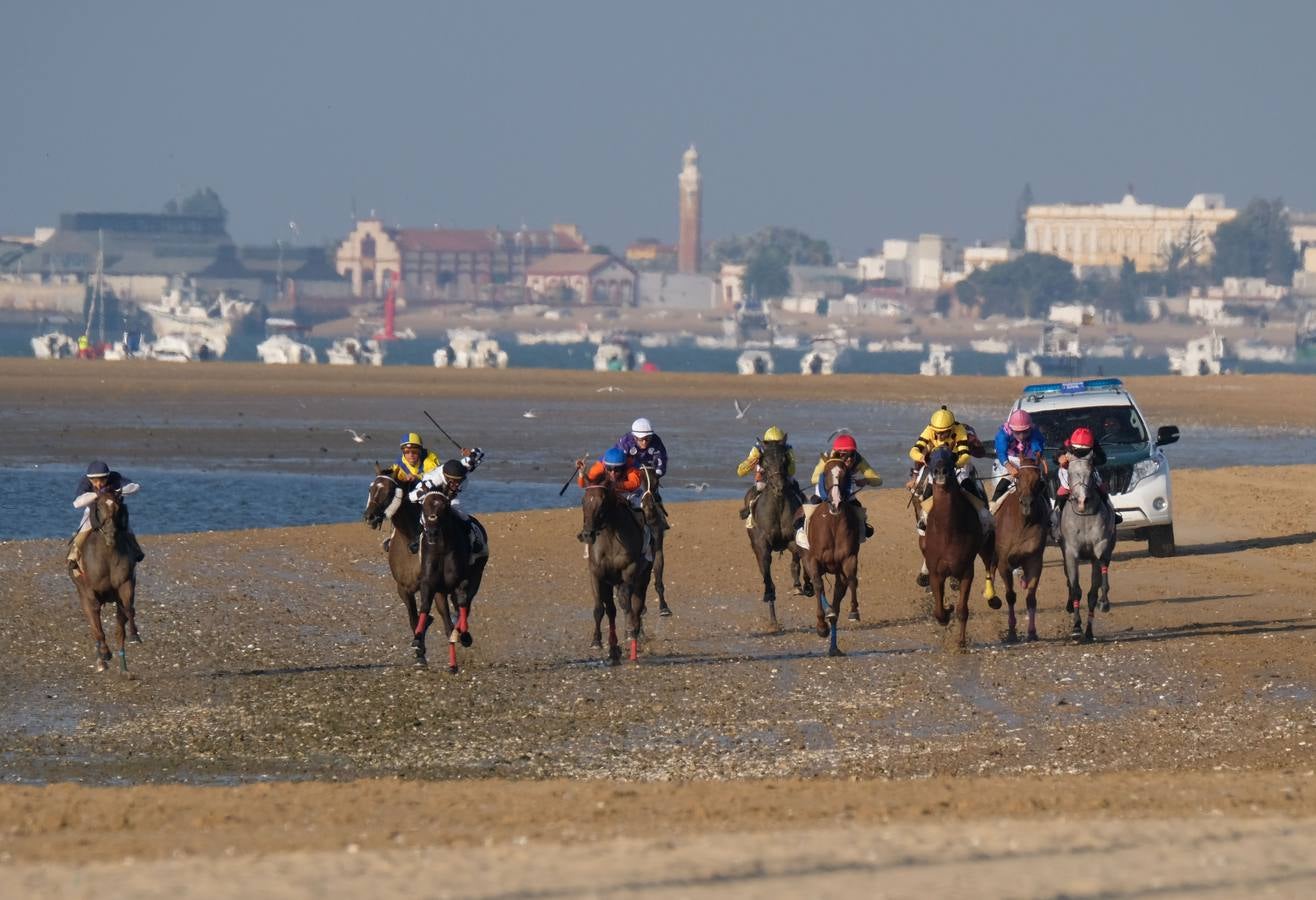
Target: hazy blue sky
(854, 121)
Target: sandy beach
(274, 738)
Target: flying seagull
(359, 438)
(698, 488)
(609, 388)
(741, 410)
(529, 414)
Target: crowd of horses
(625, 553)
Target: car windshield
(1111, 424)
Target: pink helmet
(1019, 420)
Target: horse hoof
(994, 602)
(1011, 638)
(807, 590)
(953, 585)
(1105, 606)
(823, 631)
(100, 665)
(422, 662)
(465, 639)
(452, 670)
(136, 639)
(664, 610)
(830, 617)
(596, 644)
(921, 580)
(854, 616)
(835, 651)
(1032, 636)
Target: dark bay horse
(657, 522)
(833, 532)
(1087, 532)
(618, 569)
(389, 500)
(953, 541)
(773, 524)
(108, 575)
(453, 554)
(1022, 520)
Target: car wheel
(1160, 541)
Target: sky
(854, 121)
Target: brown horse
(618, 568)
(772, 517)
(834, 530)
(108, 575)
(953, 540)
(1022, 521)
(655, 518)
(389, 500)
(453, 554)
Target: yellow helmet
(774, 434)
(943, 419)
(411, 438)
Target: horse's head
(433, 507)
(593, 506)
(1029, 483)
(774, 460)
(384, 490)
(107, 516)
(1081, 480)
(834, 476)
(941, 467)
(648, 501)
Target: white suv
(1137, 472)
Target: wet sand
(1175, 754)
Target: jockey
(1079, 444)
(644, 448)
(100, 479)
(944, 431)
(773, 435)
(615, 469)
(414, 460)
(1017, 438)
(449, 479)
(857, 473)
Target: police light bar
(1075, 387)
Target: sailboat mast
(100, 283)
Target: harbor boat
(281, 348)
(54, 345)
(755, 362)
(1023, 365)
(1206, 355)
(1260, 351)
(992, 345)
(823, 357)
(353, 351)
(905, 345)
(181, 311)
(1059, 351)
(468, 348)
(939, 361)
(615, 354)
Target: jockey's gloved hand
(472, 458)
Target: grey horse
(1087, 532)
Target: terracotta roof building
(448, 264)
(588, 278)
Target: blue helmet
(614, 457)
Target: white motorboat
(823, 357)
(1023, 365)
(939, 361)
(1206, 355)
(992, 345)
(755, 362)
(615, 354)
(905, 345)
(468, 348)
(280, 348)
(182, 311)
(54, 345)
(352, 351)
(1260, 351)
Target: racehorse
(657, 522)
(833, 533)
(618, 568)
(1022, 521)
(1087, 532)
(108, 574)
(453, 554)
(773, 525)
(953, 540)
(390, 500)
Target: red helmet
(844, 442)
(1082, 437)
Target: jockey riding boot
(135, 547)
(1001, 487)
(863, 514)
(75, 550)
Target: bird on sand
(698, 488)
(741, 410)
(609, 388)
(529, 414)
(359, 438)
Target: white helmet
(641, 428)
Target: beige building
(588, 278)
(1103, 234)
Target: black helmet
(98, 469)
(454, 470)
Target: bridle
(98, 524)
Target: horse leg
(423, 620)
(447, 600)
(825, 611)
(763, 553)
(91, 607)
(962, 607)
(937, 583)
(659, 560)
(1032, 576)
(1007, 576)
(409, 601)
(122, 603)
(1105, 585)
(805, 586)
(988, 553)
(128, 595)
(609, 603)
(1093, 594)
(1074, 592)
(634, 620)
(832, 649)
(851, 569)
(922, 578)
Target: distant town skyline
(852, 121)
